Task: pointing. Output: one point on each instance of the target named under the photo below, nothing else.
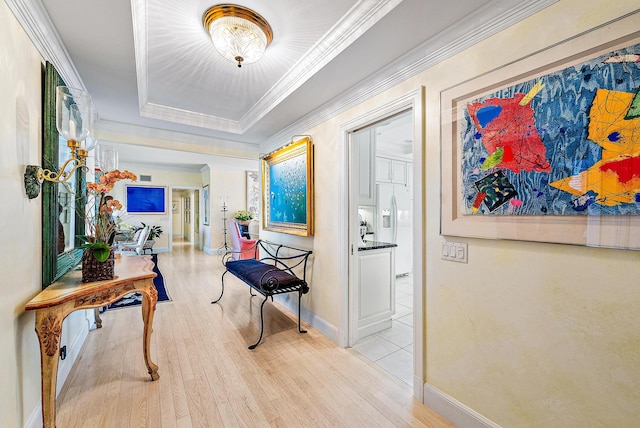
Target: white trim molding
(454, 411)
(431, 52)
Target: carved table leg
(96, 314)
(49, 330)
(149, 299)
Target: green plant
(243, 215)
(154, 231)
(101, 228)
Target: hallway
(209, 378)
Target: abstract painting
(206, 205)
(146, 199)
(253, 193)
(565, 143)
(287, 183)
(547, 148)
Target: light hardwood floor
(208, 377)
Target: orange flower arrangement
(102, 228)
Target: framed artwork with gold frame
(287, 189)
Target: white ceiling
(156, 78)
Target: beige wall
(230, 182)
(531, 334)
(526, 334)
(20, 222)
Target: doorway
(380, 165)
(385, 299)
(185, 215)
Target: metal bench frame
(277, 274)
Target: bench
(269, 272)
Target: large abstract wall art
(547, 148)
(564, 143)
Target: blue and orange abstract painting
(288, 190)
(564, 143)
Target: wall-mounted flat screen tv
(146, 200)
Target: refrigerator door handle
(394, 219)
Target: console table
(53, 304)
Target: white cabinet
(391, 170)
(365, 154)
(376, 290)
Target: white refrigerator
(394, 223)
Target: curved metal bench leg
(300, 330)
(222, 289)
(261, 323)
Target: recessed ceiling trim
(124, 133)
(186, 117)
(362, 16)
(414, 62)
(139, 19)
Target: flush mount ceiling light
(238, 33)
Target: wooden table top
(70, 286)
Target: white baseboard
(291, 303)
(454, 411)
(65, 366)
(374, 327)
(35, 420)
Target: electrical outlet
(63, 352)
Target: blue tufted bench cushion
(272, 274)
(263, 277)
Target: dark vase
(93, 270)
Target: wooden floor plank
(208, 377)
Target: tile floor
(392, 349)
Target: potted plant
(243, 217)
(154, 232)
(97, 254)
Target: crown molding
(428, 54)
(162, 112)
(362, 16)
(35, 21)
(124, 133)
(186, 117)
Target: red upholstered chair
(239, 243)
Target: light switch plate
(454, 251)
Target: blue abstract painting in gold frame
(287, 183)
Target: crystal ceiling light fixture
(238, 33)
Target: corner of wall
(454, 411)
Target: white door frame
(171, 189)
(349, 242)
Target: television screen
(146, 199)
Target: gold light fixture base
(230, 11)
(34, 175)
